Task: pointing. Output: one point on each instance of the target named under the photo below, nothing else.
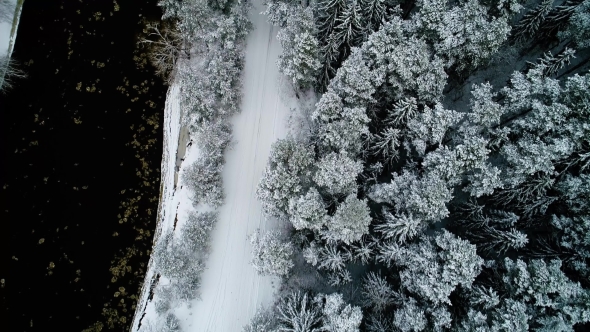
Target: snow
(168, 202)
(231, 290)
(7, 36)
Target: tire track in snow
(231, 290)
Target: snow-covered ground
(168, 205)
(7, 35)
(231, 291)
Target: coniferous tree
(377, 292)
(434, 267)
(550, 65)
(285, 176)
(339, 316)
(300, 59)
(465, 35)
(308, 211)
(271, 255)
(558, 18)
(350, 222)
(337, 173)
(410, 317)
(386, 144)
(374, 12)
(349, 29)
(578, 27)
(530, 23)
(424, 197)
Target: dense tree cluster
(179, 261)
(301, 312)
(468, 216)
(204, 56)
(444, 215)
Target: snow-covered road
(8, 31)
(231, 290)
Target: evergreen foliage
(397, 176)
(285, 176)
(270, 254)
(350, 222)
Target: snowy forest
(440, 182)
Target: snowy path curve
(231, 290)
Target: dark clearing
(81, 149)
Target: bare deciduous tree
(9, 72)
(166, 47)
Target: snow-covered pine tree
(171, 323)
(196, 230)
(285, 177)
(337, 173)
(363, 251)
(385, 144)
(338, 316)
(550, 65)
(547, 126)
(465, 35)
(328, 13)
(439, 318)
(510, 316)
(330, 257)
(270, 254)
(424, 197)
(410, 317)
(535, 295)
(406, 63)
(308, 211)
(300, 59)
(175, 260)
(541, 287)
(350, 222)
(377, 292)
(340, 128)
(558, 18)
(377, 322)
(497, 241)
(263, 321)
(434, 267)
(329, 58)
(430, 126)
(349, 29)
(402, 111)
(9, 72)
(574, 241)
(531, 21)
(401, 228)
(203, 178)
(575, 192)
(578, 27)
(374, 12)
